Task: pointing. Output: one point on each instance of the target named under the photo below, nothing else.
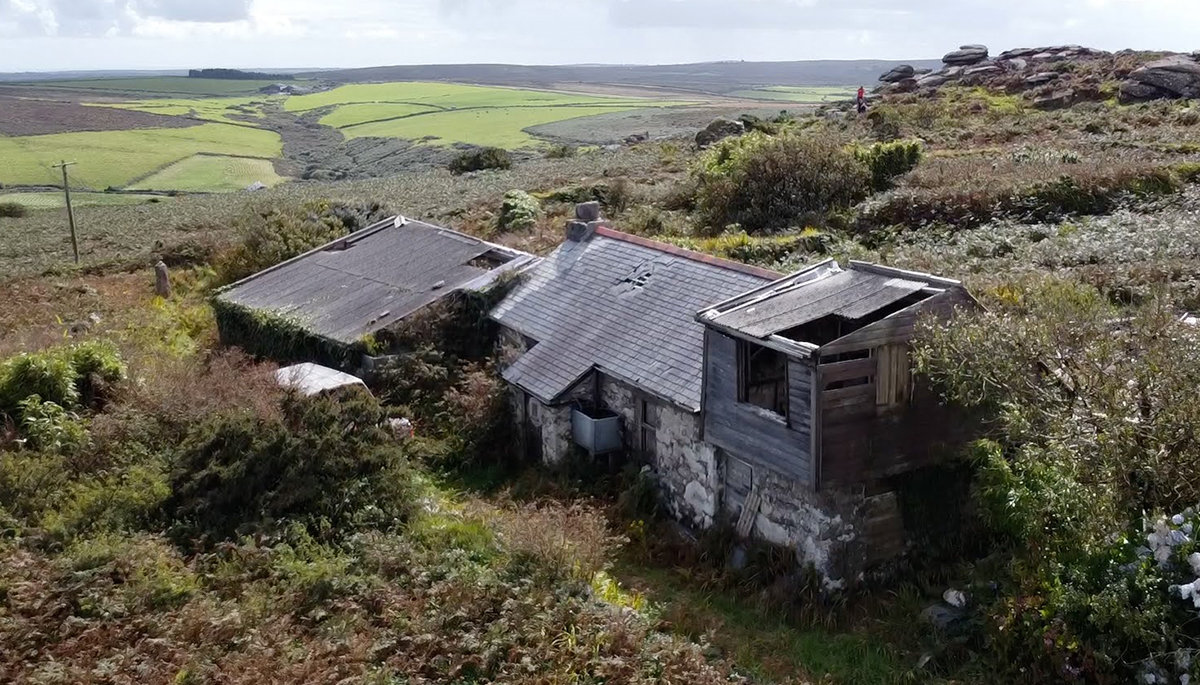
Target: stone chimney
(587, 220)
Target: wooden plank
(853, 392)
(899, 327)
(843, 371)
(749, 513)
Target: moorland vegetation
(158, 497)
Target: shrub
(519, 211)
(561, 151)
(124, 501)
(762, 182)
(98, 369)
(47, 374)
(49, 427)
(888, 161)
(267, 335)
(13, 210)
(277, 234)
(68, 376)
(327, 463)
(480, 159)
(1089, 192)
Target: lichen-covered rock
(933, 80)
(966, 55)
(898, 74)
(983, 69)
(1135, 91)
(519, 211)
(1055, 100)
(719, 130)
(1177, 74)
(1042, 78)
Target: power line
(70, 211)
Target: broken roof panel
(625, 305)
(373, 278)
(849, 294)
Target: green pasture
(212, 173)
(117, 158)
(799, 94)
(211, 109)
(493, 126)
(55, 200)
(353, 115)
(167, 85)
(441, 95)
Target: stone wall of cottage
(684, 465)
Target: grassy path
(767, 647)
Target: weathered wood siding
(862, 438)
(750, 433)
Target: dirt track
(23, 117)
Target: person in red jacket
(862, 99)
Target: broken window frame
(747, 352)
(648, 419)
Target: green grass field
(441, 95)
(353, 115)
(799, 94)
(116, 158)
(55, 200)
(211, 109)
(447, 113)
(499, 127)
(211, 173)
(167, 85)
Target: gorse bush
(518, 211)
(480, 160)
(888, 161)
(277, 234)
(765, 182)
(13, 210)
(72, 376)
(327, 462)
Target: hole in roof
(492, 259)
(639, 277)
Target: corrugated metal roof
(314, 379)
(622, 304)
(372, 279)
(849, 294)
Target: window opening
(762, 378)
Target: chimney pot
(587, 212)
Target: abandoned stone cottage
(784, 404)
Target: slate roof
(815, 293)
(625, 305)
(371, 279)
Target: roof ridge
(693, 255)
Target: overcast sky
(46, 35)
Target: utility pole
(70, 210)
